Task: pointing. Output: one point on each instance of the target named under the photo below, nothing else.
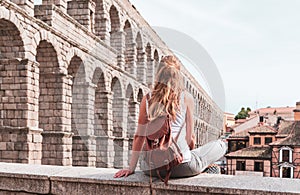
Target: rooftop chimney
(297, 112)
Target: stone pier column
(150, 72)
(103, 130)
(133, 117)
(130, 65)
(84, 12)
(132, 128)
(56, 120)
(121, 152)
(120, 118)
(105, 151)
(120, 132)
(141, 67)
(62, 4)
(117, 41)
(84, 141)
(20, 137)
(102, 22)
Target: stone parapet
(44, 179)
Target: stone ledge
(44, 179)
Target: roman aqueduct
(72, 75)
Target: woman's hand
(193, 142)
(123, 173)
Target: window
(286, 172)
(258, 166)
(268, 140)
(257, 141)
(261, 119)
(232, 146)
(240, 165)
(236, 145)
(285, 155)
(241, 145)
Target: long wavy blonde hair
(168, 86)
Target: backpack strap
(167, 177)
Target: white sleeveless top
(175, 128)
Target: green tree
(243, 114)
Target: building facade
(72, 76)
(286, 152)
(271, 151)
(251, 154)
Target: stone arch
(49, 83)
(116, 88)
(101, 119)
(115, 23)
(76, 73)
(76, 69)
(73, 51)
(202, 108)
(11, 48)
(199, 106)
(132, 117)
(198, 138)
(44, 35)
(140, 59)
(129, 48)
(118, 118)
(150, 67)
(115, 26)
(11, 43)
(139, 41)
(131, 114)
(140, 96)
(156, 60)
(47, 58)
(100, 104)
(90, 68)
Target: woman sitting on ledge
(179, 105)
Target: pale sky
(255, 44)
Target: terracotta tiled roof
(285, 127)
(257, 129)
(251, 152)
(293, 138)
(242, 121)
(263, 129)
(279, 110)
(240, 134)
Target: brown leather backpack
(161, 152)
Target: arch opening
(11, 43)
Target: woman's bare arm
(190, 136)
(138, 141)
